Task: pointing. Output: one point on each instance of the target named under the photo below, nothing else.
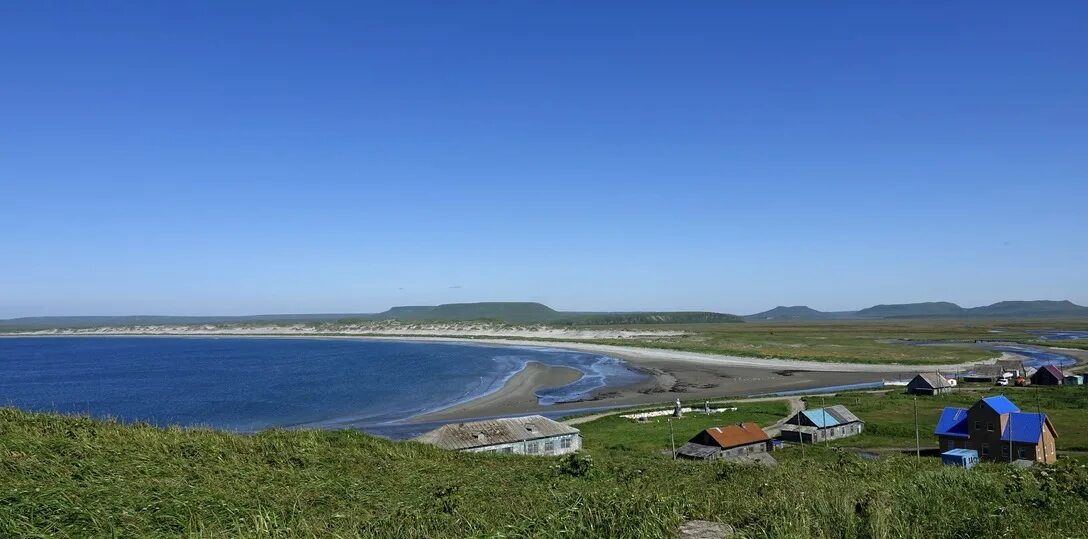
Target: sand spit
(516, 396)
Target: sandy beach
(517, 395)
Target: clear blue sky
(171, 158)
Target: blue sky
(268, 157)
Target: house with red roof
(998, 431)
(737, 441)
(1048, 375)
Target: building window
(1004, 450)
(565, 443)
(549, 446)
(989, 426)
(532, 448)
(985, 450)
(508, 449)
(978, 425)
(1021, 453)
(951, 444)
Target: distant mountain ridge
(537, 313)
(933, 310)
(505, 312)
(798, 312)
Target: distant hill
(683, 317)
(1030, 309)
(796, 312)
(512, 312)
(940, 309)
(932, 310)
(999, 310)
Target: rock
(705, 529)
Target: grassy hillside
(683, 317)
(512, 312)
(939, 309)
(797, 312)
(74, 477)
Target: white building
(529, 435)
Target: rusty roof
(494, 431)
(739, 434)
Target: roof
(494, 431)
(1024, 427)
(1054, 371)
(961, 453)
(953, 422)
(739, 434)
(840, 413)
(1000, 404)
(932, 379)
(821, 419)
(698, 451)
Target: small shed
(984, 373)
(929, 383)
(1048, 375)
(1074, 380)
(964, 458)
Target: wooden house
(1048, 375)
(726, 442)
(998, 431)
(529, 435)
(820, 424)
(929, 383)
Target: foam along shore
(517, 395)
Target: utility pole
(1042, 424)
(672, 439)
(823, 406)
(1010, 436)
(800, 435)
(917, 437)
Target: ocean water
(249, 384)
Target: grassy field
(615, 434)
(890, 416)
(852, 341)
(76, 477)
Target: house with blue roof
(998, 430)
(817, 425)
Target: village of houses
(993, 429)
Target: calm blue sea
(248, 384)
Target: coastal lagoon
(249, 384)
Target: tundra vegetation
(65, 476)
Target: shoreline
(631, 353)
(670, 375)
(517, 393)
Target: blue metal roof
(953, 422)
(821, 418)
(1025, 427)
(1000, 404)
(960, 453)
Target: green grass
(615, 434)
(76, 477)
(889, 416)
(877, 341)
